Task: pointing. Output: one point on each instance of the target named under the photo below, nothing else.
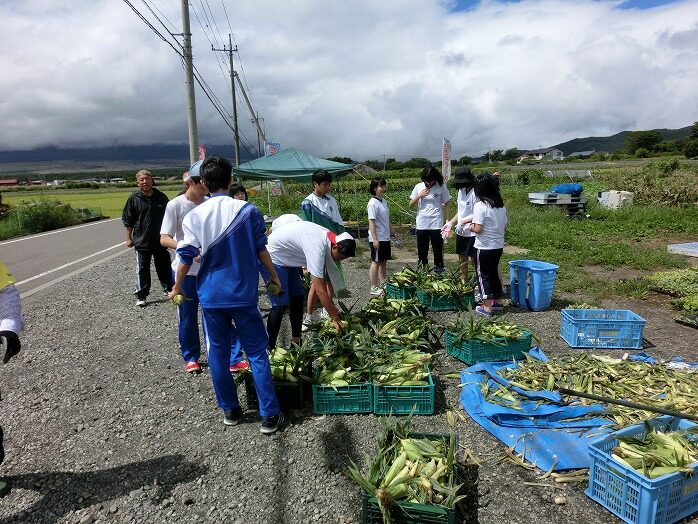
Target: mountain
(140, 154)
(615, 143)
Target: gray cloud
(360, 78)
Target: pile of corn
(652, 384)
(406, 367)
(491, 330)
(450, 286)
(418, 469)
(406, 277)
(290, 365)
(657, 453)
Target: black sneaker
(232, 417)
(270, 425)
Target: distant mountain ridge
(615, 143)
(145, 154)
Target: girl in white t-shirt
(380, 231)
(432, 201)
(464, 182)
(488, 222)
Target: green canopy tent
(289, 164)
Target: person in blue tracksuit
(229, 235)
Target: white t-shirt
(377, 209)
(328, 205)
(300, 244)
(493, 221)
(430, 213)
(466, 203)
(176, 210)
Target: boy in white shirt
(432, 201)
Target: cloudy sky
(358, 78)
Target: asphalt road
(40, 261)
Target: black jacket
(144, 214)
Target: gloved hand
(12, 344)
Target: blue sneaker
(271, 425)
(480, 310)
(232, 417)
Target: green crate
(475, 350)
(355, 398)
(415, 513)
(443, 303)
(401, 400)
(403, 293)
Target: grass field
(630, 241)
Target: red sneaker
(240, 366)
(192, 367)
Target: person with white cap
(142, 218)
(294, 244)
(188, 311)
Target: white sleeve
(169, 220)
(10, 309)
(445, 195)
(479, 213)
(415, 192)
(371, 210)
(315, 256)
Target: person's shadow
(62, 490)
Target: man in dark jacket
(142, 218)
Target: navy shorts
(465, 246)
(291, 284)
(382, 253)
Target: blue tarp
(545, 434)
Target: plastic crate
(401, 400)
(633, 497)
(532, 283)
(602, 328)
(475, 350)
(355, 398)
(289, 394)
(403, 293)
(443, 303)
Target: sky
(355, 78)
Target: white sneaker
(141, 302)
(307, 319)
(324, 315)
(376, 291)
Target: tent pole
(268, 198)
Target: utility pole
(236, 137)
(383, 163)
(255, 117)
(189, 72)
(260, 134)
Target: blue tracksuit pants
(248, 323)
(188, 318)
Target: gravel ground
(102, 424)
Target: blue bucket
(532, 283)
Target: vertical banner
(202, 152)
(446, 159)
(271, 147)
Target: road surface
(41, 260)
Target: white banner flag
(446, 159)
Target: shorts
(382, 253)
(465, 246)
(291, 284)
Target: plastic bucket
(532, 283)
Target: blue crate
(633, 497)
(531, 283)
(602, 328)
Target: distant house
(548, 153)
(9, 182)
(581, 154)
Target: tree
(511, 154)
(691, 149)
(648, 140)
(465, 160)
(341, 159)
(694, 130)
(496, 155)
